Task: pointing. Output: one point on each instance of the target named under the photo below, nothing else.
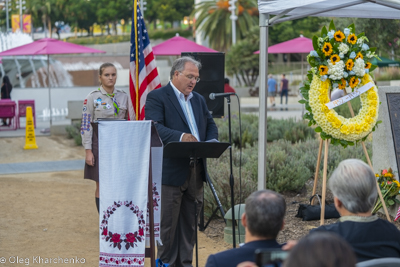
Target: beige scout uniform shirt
(99, 105)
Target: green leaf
(309, 76)
(391, 202)
(309, 123)
(324, 32)
(372, 68)
(353, 28)
(378, 122)
(344, 142)
(332, 26)
(315, 42)
(302, 101)
(360, 35)
(372, 49)
(350, 143)
(318, 129)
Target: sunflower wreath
(341, 60)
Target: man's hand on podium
(189, 138)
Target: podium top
(195, 149)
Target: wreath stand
(325, 170)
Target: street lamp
(233, 17)
(20, 6)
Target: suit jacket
(162, 106)
(235, 256)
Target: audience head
(354, 184)
(226, 80)
(264, 213)
(321, 249)
(283, 75)
(270, 76)
(6, 80)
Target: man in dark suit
(262, 220)
(180, 115)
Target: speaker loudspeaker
(212, 78)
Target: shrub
(73, 131)
(289, 166)
(289, 129)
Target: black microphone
(214, 95)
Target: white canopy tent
(285, 10)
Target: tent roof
(384, 9)
(176, 45)
(386, 62)
(299, 45)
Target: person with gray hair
(262, 220)
(181, 115)
(353, 185)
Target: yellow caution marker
(30, 140)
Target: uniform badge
(84, 108)
(85, 102)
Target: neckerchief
(116, 107)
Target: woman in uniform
(105, 102)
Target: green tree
(215, 23)
(172, 10)
(241, 60)
(80, 14)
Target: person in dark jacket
(6, 88)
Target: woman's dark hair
(6, 80)
(5, 93)
(321, 249)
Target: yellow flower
(368, 119)
(323, 70)
(352, 38)
(342, 84)
(344, 129)
(368, 65)
(339, 36)
(372, 112)
(353, 82)
(359, 55)
(335, 58)
(376, 175)
(397, 183)
(349, 64)
(327, 49)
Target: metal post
(20, 16)
(262, 118)
(233, 17)
(7, 19)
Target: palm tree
(215, 23)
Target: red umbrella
(176, 45)
(48, 46)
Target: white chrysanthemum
(335, 72)
(359, 67)
(343, 48)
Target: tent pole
(48, 85)
(262, 118)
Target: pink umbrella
(176, 45)
(300, 45)
(48, 46)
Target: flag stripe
(143, 70)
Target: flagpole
(137, 60)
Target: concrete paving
(42, 166)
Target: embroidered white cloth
(124, 163)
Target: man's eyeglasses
(191, 77)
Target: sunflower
(323, 70)
(352, 38)
(339, 36)
(335, 58)
(353, 82)
(359, 55)
(327, 49)
(342, 84)
(349, 64)
(368, 65)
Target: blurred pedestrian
(228, 88)
(6, 88)
(272, 89)
(284, 88)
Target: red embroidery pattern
(116, 239)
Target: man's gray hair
(354, 183)
(265, 211)
(179, 65)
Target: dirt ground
(51, 215)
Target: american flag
(397, 215)
(143, 69)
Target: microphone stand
(231, 180)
